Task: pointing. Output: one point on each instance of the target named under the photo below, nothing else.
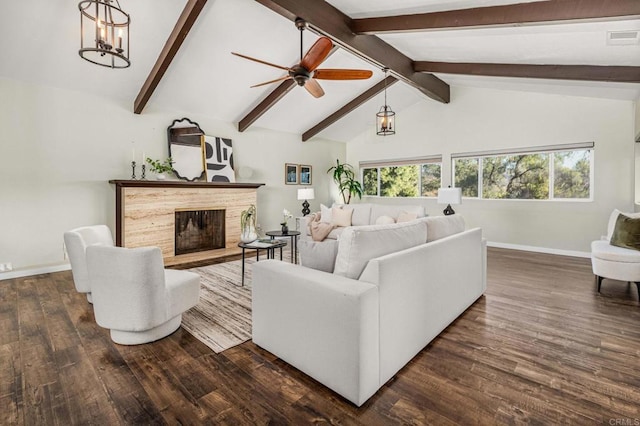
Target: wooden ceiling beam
(329, 21)
(264, 106)
(507, 15)
(176, 38)
(346, 109)
(620, 74)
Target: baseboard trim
(559, 252)
(27, 272)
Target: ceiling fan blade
(342, 74)
(261, 61)
(286, 77)
(314, 88)
(317, 53)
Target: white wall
(59, 148)
(486, 119)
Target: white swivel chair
(76, 241)
(135, 297)
(613, 262)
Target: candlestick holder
(133, 170)
(144, 170)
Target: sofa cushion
(385, 220)
(406, 217)
(341, 216)
(318, 255)
(359, 244)
(361, 213)
(626, 233)
(325, 214)
(335, 233)
(378, 210)
(442, 226)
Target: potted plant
(286, 215)
(160, 167)
(345, 178)
(248, 225)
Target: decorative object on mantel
(219, 159)
(385, 118)
(449, 196)
(286, 215)
(161, 167)
(248, 224)
(104, 33)
(305, 175)
(306, 194)
(345, 178)
(290, 174)
(186, 148)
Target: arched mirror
(186, 140)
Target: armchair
(135, 297)
(76, 241)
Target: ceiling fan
(306, 72)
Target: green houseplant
(160, 167)
(345, 178)
(248, 224)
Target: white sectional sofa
(394, 289)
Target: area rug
(222, 318)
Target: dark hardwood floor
(541, 347)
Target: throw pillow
(385, 220)
(359, 244)
(626, 232)
(341, 217)
(325, 214)
(406, 217)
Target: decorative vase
(161, 176)
(248, 235)
(285, 228)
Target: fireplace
(199, 230)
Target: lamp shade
(306, 194)
(449, 196)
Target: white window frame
(547, 149)
(418, 161)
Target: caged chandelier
(104, 33)
(385, 118)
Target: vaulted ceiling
(181, 55)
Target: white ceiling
(206, 79)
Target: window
(546, 173)
(417, 177)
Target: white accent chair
(135, 297)
(612, 262)
(76, 241)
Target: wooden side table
(271, 252)
(294, 241)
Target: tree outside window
(430, 179)
(399, 181)
(572, 174)
(466, 176)
(516, 176)
(370, 181)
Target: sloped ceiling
(40, 41)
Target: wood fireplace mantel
(145, 213)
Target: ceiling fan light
(104, 33)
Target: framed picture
(305, 175)
(290, 174)
(218, 157)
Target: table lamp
(306, 194)
(449, 196)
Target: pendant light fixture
(104, 33)
(385, 118)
